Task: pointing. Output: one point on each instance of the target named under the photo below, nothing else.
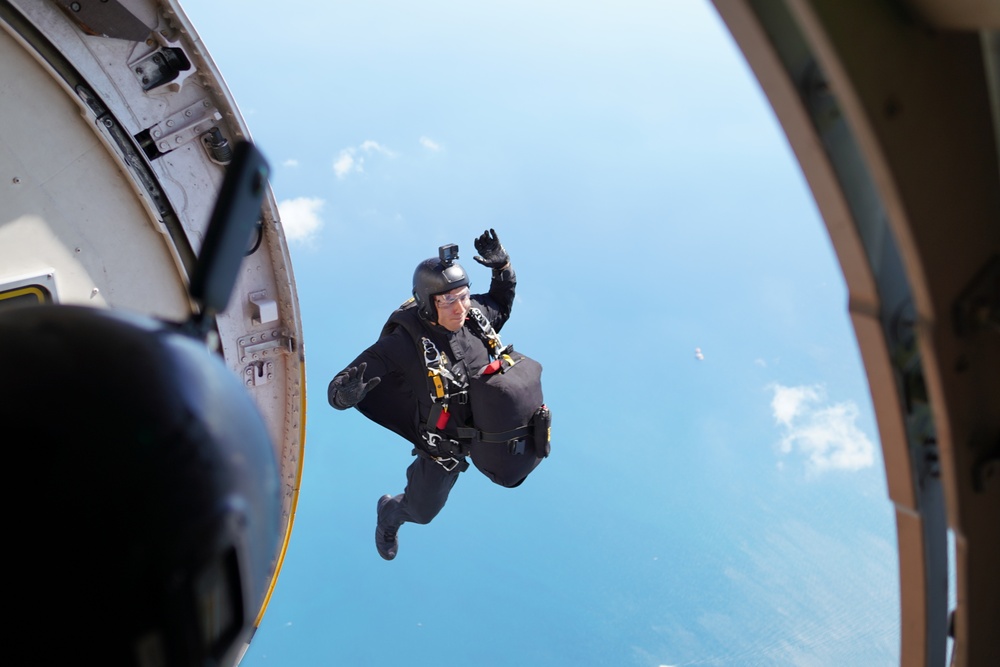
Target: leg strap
(449, 463)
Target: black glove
(349, 387)
(491, 253)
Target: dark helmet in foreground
(437, 275)
(153, 494)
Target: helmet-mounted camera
(448, 254)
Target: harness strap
(442, 385)
(436, 369)
(504, 436)
(488, 334)
(449, 463)
(442, 445)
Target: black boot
(385, 529)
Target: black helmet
(436, 276)
(162, 480)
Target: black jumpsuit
(402, 401)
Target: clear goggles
(450, 299)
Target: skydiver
(414, 379)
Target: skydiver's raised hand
(491, 252)
(348, 387)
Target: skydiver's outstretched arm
(348, 387)
(492, 254)
(500, 299)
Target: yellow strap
(438, 386)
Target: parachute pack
(511, 430)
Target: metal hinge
(266, 344)
(184, 126)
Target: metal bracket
(265, 310)
(166, 65)
(183, 126)
(264, 345)
(258, 373)
(106, 19)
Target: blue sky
(715, 494)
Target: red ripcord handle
(492, 367)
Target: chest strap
(488, 334)
(442, 385)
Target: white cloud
(789, 402)
(370, 146)
(352, 160)
(698, 354)
(825, 434)
(290, 162)
(300, 217)
(430, 144)
(346, 163)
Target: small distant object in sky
(697, 354)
